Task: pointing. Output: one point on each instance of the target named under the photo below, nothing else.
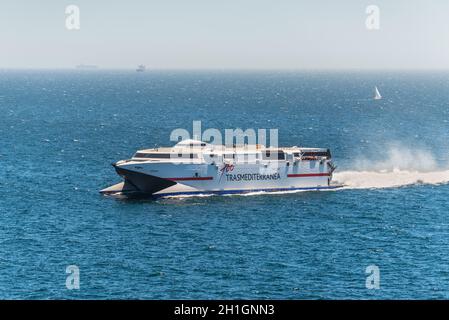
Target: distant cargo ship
(141, 68)
(195, 167)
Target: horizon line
(217, 69)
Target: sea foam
(400, 167)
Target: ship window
(186, 155)
(326, 154)
(152, 155)
(164, 155)
(273, 155)
(196, 144)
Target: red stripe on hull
(302, 175)
(189, 178)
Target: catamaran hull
(165, 194)
(119, 189)
(168, 180)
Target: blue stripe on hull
(242, 191)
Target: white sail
(377, 95)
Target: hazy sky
(262, 34)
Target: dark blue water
(59, 132)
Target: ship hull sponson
(187, 192)
(141, 183)
(166, 178)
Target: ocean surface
(61, 130)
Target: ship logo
(226, 168)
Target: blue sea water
(60, 130)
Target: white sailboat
(377, 95)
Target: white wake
(389, 179)
(399, 167)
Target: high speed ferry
(194, 167)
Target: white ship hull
(162, 178)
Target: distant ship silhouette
(141, 68)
